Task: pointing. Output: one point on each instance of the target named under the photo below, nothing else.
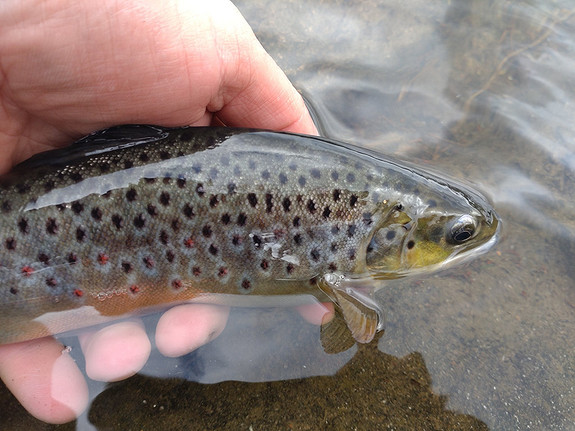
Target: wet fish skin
(137, 216)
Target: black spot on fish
(223, 271)
(246, 284)
(213, 249)
(390, 235)
(164, 237)
(333, 247)
(257, 240)
(350, 177)
(200, 190)
(128, 164)
(96, 213)
(139, 221)
(311, 206)
(315, 173)
(264, 264)
(181, 182)
(353, 200)
(150, 180)
(80, 234)
(214, 201)
(51, 282)
(131, 195)
(332, 267)
(52, 226)
(6, 206)
(367, 218)
(335, 229)
(187, 135)
(289, 268)
(301, 181)
(334, 175)
(242, 218)
(252, 199)
(118, 221)
(237, 171)
(236, 240)
(148, 262)
(297, 239)
(314, 254)
(251, 164)
(176, 224)
(352, 255)
(165, 199)
(207, 231)
(231, 188)
(296, 222)
(351, 229)
(76, 177)
(127, 267)
(196, 271)
(286, 204)
(213, 173)
(292, 166)
(432, 203)
(61, 207)
(170, 256)
(164, 155)
(72, 258)
(104, 167)
(283, 178)
(188, 211)
(152, 210)
(167, 178)
(326, 212)
(49, 186)
(266, 175)
(269, 202)
(10, 244)
(22, 188)
(226, 218)
(23, 226)
(13, 291)
(336, 195)
(143, 157)
(77, 207)
(44, 258)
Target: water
(483, 90)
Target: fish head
(431, 229)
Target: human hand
(70, 67)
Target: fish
(135, 217)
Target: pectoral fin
(363, 316)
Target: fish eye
(462, 229)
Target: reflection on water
(482, 90)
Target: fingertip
(184, 328)
(318, 313)
(45, 379)
(116, 352)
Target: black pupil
(462, 236)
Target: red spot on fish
(189, 242)
(27, 270)
(177, 284)
(79, 293)
(223, 271)
(196, 271)
(103, 259)
(134, 289)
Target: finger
(184, 328)
(317, 313)
(45, 379)
(115, 352)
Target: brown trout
(135, 216)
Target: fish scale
(136, 216)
